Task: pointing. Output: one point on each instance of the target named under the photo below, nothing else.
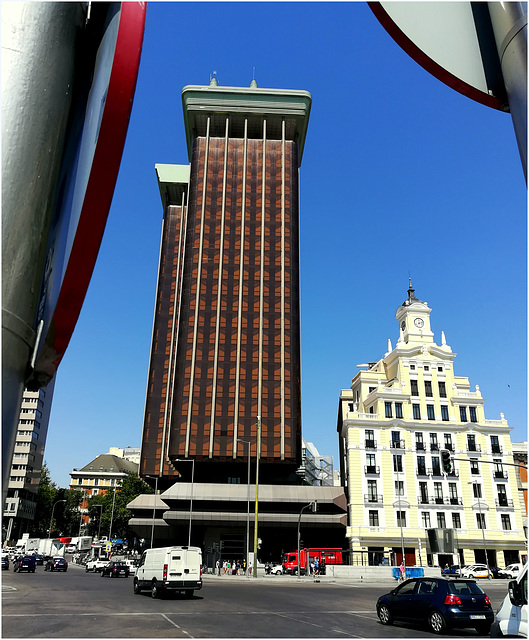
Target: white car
(475, 571)
(512, 571)
(96, 565)
(276, 569)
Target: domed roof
(411, 297)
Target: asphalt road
(76, 604)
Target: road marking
(291, 617)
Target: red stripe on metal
(103, 175)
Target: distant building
(103, 474)
(519, 452)
(393, 422)
(132, 454)
(316, 469)
(26, 466)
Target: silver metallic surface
(509, 22)
(37, 71)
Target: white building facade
(393, 422)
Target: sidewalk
(289, 579)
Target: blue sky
(400, 176)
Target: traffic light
(446, 461)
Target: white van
(169, 569)
(511, 618)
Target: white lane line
(291, 617)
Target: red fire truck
(321, 557)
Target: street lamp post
(100, 518)
(112, 516)
(481, 523)
(192, 460)
(154, 507)
(256, 496)
(247, 509)
(52, 510)
(307, 506)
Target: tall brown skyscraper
(226, 338)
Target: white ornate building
(393, 422)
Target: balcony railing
(371, 444)
(456, 501)
(504, 502)
(371, 468)
(422, 471)
(373, 499)
(420, 446)
(501, 474)
(423, 500)
(495, 448)
(437, 473)
(449, 446)
(434, 446)
(454, 473)
(474, 447)
(397, 444)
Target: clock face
(418, 322)
(403, 325)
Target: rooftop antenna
(253, 83)
(213, 80)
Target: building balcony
(448, 446)
(495, 448)
(397, 444)
(423, 500)
(454, 473)
(422, 471)
(367, 416)
(434, 447)
(370, 500)
(455, 501)
(370, 444)
(437, 473)
(502, 475)
(371, 469)
(420, 446)
(474, 448)
(504, 502)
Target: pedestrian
(218, 567)
(402, 571)
(316, 567)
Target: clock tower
(414, 320)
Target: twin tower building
(225, 356)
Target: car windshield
(460, 587)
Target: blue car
(439, 603)
(24, 563)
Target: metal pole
(247, 510)
(509, 23)
(401, 529)
(154, 510)
(52, 510)
(100, 518)
(299, 541)
(191, 503)
(482, 529)
(112, 516)
(256, 495)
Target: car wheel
(384, 615)
(136, 586)
(483, 629)
(155, 592)
(437, 622)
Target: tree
(46, 497)
(102, 515)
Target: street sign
(453, 41)
(88, 177)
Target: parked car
(438, 602)
(132, 564)
(5, 561)
(96, 565)
(115, 569)
(453, 570)
(24, 563)
(476, 571)
(511, 617)
(276, 569)
(39, 559)
(512, 571)
(58, 563)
